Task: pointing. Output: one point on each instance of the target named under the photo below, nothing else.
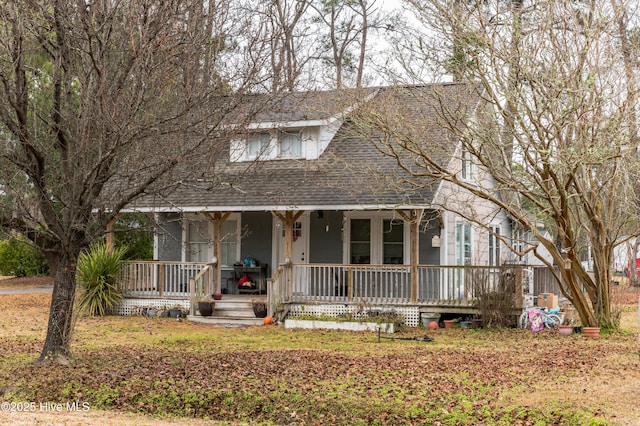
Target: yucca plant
(97, 272)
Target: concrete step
(226, 320)
(233, 304)
(234, 312)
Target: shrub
(494, 298)
(134, 230)
(97, 273)
(20, 259)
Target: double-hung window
(229, 242)
(467, 167)
(290, 143)
(360, 244)
(198, 241)
(463, 243)
(256, 144)
(494, 246)
(392, 241)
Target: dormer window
(256, 144)
(282, 142)
(290, 143)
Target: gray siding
(170, 237)
(429, 255)
(325, 244)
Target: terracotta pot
(565, 330)
(449, 323)
(217, 296)
(591, 332)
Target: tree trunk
(56, 345)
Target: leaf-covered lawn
(268, 375)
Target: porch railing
(392, 284)
(340, 283)
(158, 279)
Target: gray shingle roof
(351, 173)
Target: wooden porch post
(288, 219)
(414, 218)
(109, 237)
(218, 219)
(160, 284)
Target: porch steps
(231, 312)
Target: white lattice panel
(130, 306)
(411, 314)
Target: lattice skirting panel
(411, 314)
(131, 306)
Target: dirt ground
(24, 282)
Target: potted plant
(591, 332)
(429, 317)
(449, 323)
(149, 311)
(176, 312)
(205, 307)
(259, 309)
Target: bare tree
(278, 41)
(554, 129)
(348, 24)
(89, 89)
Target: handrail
(197, 291)
(274, 292)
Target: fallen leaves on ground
(271, 375)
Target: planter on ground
(205, 308)
(339, 325)
(260, 310)
(175, 313)
(565, 330)
(428, 318)
(449, 323)
(591, 332)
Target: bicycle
(550, 320)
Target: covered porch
(330, 288)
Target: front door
(299, 250)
